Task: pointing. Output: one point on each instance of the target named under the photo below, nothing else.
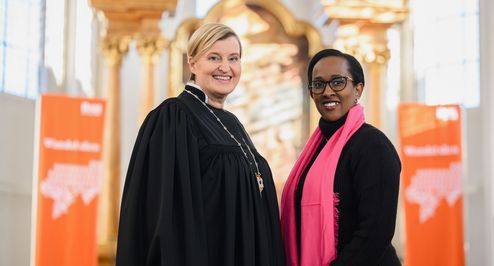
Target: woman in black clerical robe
(197, 192)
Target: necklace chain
(259, 179)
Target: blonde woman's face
(218, 70)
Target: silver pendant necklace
(259, 180)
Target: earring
(356, 101)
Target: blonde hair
(205, 36)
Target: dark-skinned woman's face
(332, 105)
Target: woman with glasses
(339, 202)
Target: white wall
(16, 171)
(131, 92)
(474, 214)
(486, 155)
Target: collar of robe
(195, 89)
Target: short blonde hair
(205, 36)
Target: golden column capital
(377, 49)
(114, 48)
(150, 47)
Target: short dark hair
(355, 68)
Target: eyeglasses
(336, 84)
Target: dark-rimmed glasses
(336, 84)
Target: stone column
(149, 49)
(368, 43)
(376, 60)
(374, 93)
(113, 49)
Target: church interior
(133, 55)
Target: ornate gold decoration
(126, 5)
(133, 17)
(223, 9)
(362, 28)
(114, 48)
(292, 26)
(367, 42)
(363, 25)
(244, 21)
(371, 11)
(150, 47)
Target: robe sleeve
(162, 219)
(376, 184)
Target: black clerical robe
(191, 196)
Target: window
(54, 45)
(84, 45)
(21, 46)
(446, 50)
(70, 45)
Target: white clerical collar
(199, 88)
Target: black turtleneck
(327, 128)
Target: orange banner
(69, 180)
(431, 153)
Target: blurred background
(133, 54)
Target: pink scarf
(318, 205)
